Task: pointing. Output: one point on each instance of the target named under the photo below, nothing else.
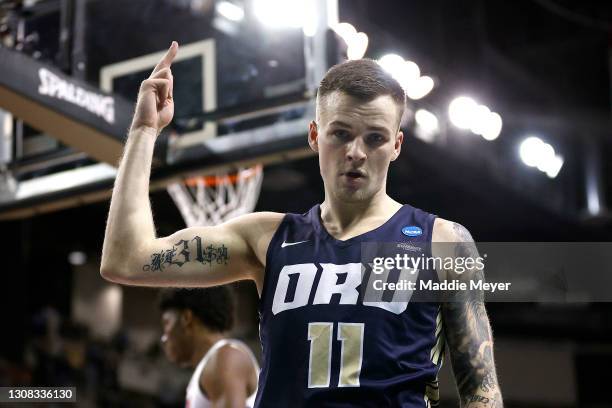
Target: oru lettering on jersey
(303, 277)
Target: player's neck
(344, 215)
(203, 341)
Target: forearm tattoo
(185, 251)
(469, 338)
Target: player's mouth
(353, 175)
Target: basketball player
(323, 344)
(194, 322)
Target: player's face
(356, 141)
(175, 341)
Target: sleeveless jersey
(195, 398)
(324, 344)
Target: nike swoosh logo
(286, 244)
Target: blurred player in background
(194, 324)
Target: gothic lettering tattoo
(188, 251)
(159, 259)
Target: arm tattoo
(469, 337)
(188, 251)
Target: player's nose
(356, 150)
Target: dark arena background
(508, 129)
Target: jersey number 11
(319, 367)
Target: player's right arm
(192, 257)
(202, 256)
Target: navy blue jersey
(324, 344)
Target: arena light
(230, 11)
(479, 120)
(530, 149)
(465, 113)
(427, 125)
(309, 18)
(357, 46)
(534, 152)
(281, 13)
(420, 88)
(546, 156)
(356, 42)
(276, 14)
(461, 112)
(345, 30)
(408, 74)
(393, 64)
(493, 128)
(554, 166)
(405, 72)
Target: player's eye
(341, 134)
(375, 139)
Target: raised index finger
(167, 59)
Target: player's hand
(155, 105)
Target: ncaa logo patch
(412, 231)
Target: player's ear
(313, 136)
(397, 147)
(186, 317)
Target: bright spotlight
(546, 156)
(462, 112)
(427, 125)
(554, 167)
(408, 74)
(356, 43)
(412, 70)
(493, 128)
(480, 119)
(536, 153)
(405, 72)
(345, 30)
(420, 88)
(530, 149)
(309, 19)
(281, 13)
(392, 63)
(466, 113)
(230, 10)
(357, 46)
(427, 120)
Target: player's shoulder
(229, 359)
(449, 231)
(233, 356)
(256, 221)
(259, 217)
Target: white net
(214, 199)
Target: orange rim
(213, 181)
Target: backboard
(195, 61)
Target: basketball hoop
(211, 200)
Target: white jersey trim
(195, 398)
